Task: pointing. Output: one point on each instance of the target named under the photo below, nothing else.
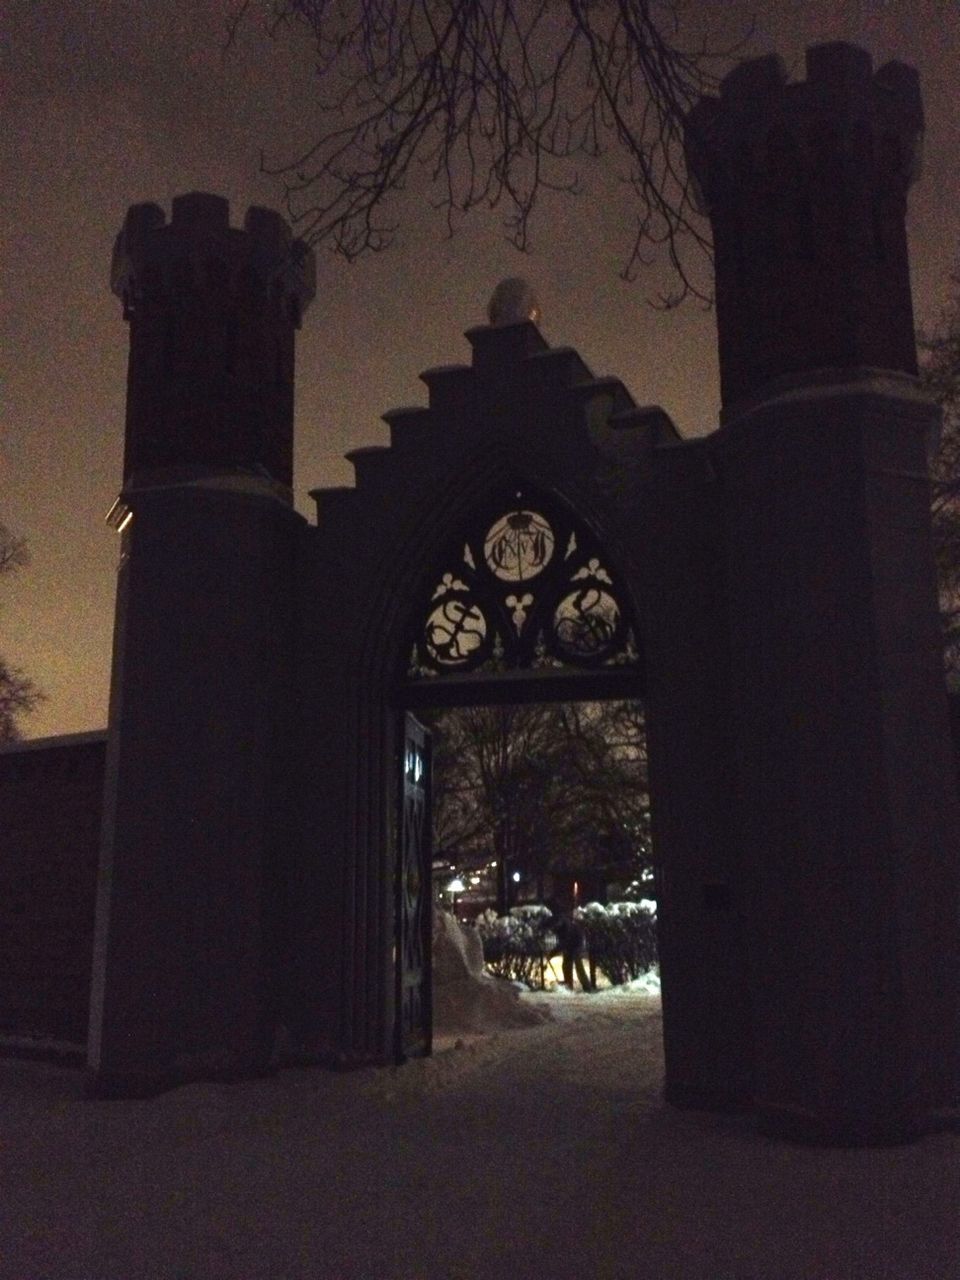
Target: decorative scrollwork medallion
(528, 586)
(518, 546)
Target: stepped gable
(518, 395)
(806, 185)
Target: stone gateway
(531, 534)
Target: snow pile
(465, 998)
(457, 951)
(647, 984)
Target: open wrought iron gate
(414, 893)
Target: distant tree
(599, 796)
(490, 772)
(18, 694)
(542, 789)
(498, 102)
(941, 374)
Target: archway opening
(543, 868)
(530, 830)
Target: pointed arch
(413, 536)
(521, 583)
(478, 488)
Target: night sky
(105, 104)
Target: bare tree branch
(18, 694)
(13, 551)
(18, 697)
(542, 789)
(498, 102)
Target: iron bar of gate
(511, 687)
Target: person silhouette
(571, 943)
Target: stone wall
(50, 802)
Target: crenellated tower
(846, 815)
(806, 187)
(213, 313)
(197, 806)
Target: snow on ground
(544, 1151)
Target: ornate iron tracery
(527, 586)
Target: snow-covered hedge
(621, 940)
(517, 946)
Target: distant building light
(456, 885)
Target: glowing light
(119, 516)
(456, 885)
